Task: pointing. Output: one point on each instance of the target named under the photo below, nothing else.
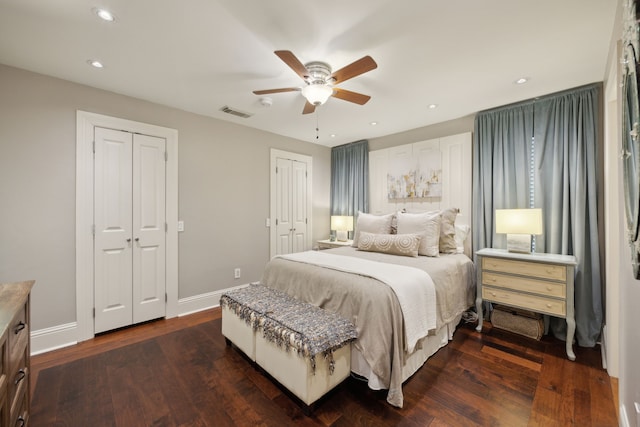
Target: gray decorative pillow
(448, 231)
(393, 244)
(377, 224)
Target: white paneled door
(130, 228)
(290, 204)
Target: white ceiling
(200, 55)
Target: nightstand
(538, 282)
(328, 244)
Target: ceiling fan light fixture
(317, 94)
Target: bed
(381, 353)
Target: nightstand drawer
(532, 269)
(526, 301)
(540, 287)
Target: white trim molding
(85, 123)
(308, 160)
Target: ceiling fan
(320, 80)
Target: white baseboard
(55, 337)
(202, 302)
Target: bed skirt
(428, 347)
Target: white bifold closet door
(130, 228)
(291, 206)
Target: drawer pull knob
(20, 326)
(548, 305)
(20, 376)
(549, 288)
(493, 294)
(20, 421)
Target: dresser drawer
(18, 335)
(540, 287)
(4, 366)
(532, 269)
(20, 410)
(531, 302)
(18, 380)
(4, 410)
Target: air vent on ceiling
(229, 110)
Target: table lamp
(519, 225)
(342, 225)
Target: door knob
(129, 240)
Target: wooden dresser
(537, 282)
(14, 353)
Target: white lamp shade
(519, 221)
(342, 223)
(317, 94)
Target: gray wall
(223, 190)
(438, 130)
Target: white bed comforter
(413, 287)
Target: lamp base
(342, 235)
(519, 243)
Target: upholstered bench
(303, 347)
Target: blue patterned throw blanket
(289, 323)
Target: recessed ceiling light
(373, 123)
(95, 63)
(433, 106)
(105, 15)
(333, 135)
(522, 80)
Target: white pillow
(448, 231)
(376, 224)
(426, 225)
(462, 231)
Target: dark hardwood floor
(179, 372)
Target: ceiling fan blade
(308, 108)
(356, 68)
(294, 63)
(268, 91)
(347, 95)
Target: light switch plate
(180, 225)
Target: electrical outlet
(267, 222)
(236, 273)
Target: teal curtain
(559, 174)
(566, 134)
(500, 168)
(350, 178)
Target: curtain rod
(543, 97)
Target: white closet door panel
(112, 210)
(285, 224)
(299, 205)
(148, 228)
(283, 244)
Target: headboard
(455, 177)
